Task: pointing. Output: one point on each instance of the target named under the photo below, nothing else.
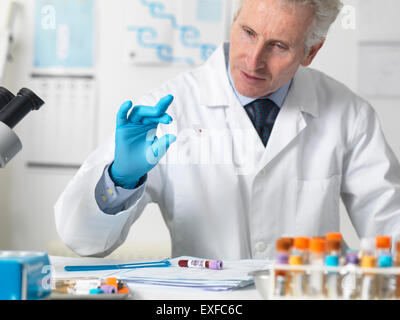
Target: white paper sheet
(235, 273)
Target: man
(264, 147)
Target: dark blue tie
(263, 113)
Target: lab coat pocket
(317, 206)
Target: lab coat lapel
(248, 148)
(291, 121)
(217, 93)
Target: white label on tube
(197, 263)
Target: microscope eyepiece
(25, 102)
(35, 102)
(5, 97)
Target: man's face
(268, 45)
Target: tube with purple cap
(206, 264)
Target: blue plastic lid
(385, 261)
(331, 261)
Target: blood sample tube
(281, 284)
(316, 278)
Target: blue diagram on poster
(174, 31)
(64, 34)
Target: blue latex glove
(137, 148)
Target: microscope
(12, 110)
(26, 275)
(24, 271)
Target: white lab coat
(223, 195)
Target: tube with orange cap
(333, 247)
(383, 245)
(334, 236)
(299, 256)
(300, 248)
(332, 278)
(288, 242)
(386, 283)
(317, 255)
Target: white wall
(28, 196)
(338, 58)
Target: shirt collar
(278, 97)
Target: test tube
(383, 245)
(367, 247)
(316, 278)
(300, 247)
(350, 282)
(283, 247)
(332, 281)
(368, 281)
(367, 257)
(289, 242)
(333, 247)
(385, 282)
(298, 280)
(334, 236)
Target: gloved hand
(137, 148)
